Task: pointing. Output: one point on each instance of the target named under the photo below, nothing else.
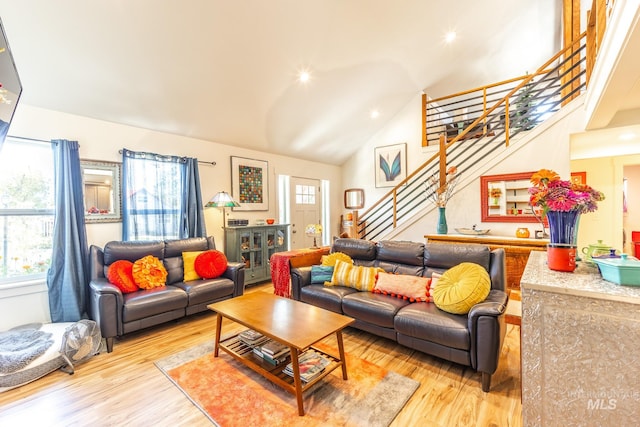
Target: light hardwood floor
(124, 388)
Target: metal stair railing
(525, 105)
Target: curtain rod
(199, 161)
(28, 139)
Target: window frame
(7, 281)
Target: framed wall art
(579, 178)
(390, 165)
(250, 184)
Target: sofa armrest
(494, 305)
(105, 307)
(487, 327)
(235, 272)
(300, 277)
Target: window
(26, 209)
(305, 195)
(152, 196)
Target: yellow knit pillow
(461, 287)
(357, 277)
(188, 261)
(330, 260)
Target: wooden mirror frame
(484, 198)
(114, 213)
(353, 198)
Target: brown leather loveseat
(474, 339)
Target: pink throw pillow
(412, 288)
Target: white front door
(305, 209)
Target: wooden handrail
(479, 88)
(522, 84)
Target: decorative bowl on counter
(270, 221)
(472, 231)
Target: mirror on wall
(101, 181)
(505, 198)
(354, 198)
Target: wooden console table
(516, 250)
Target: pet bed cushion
(47, 362)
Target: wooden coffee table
(292, 323)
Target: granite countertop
(584, 281)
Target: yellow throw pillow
(357, 277)
(461, 287)
(330, 260)
(188, 261)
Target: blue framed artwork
(390, 165)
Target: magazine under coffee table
(292, 323)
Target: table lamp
(315, 231)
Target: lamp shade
(222, 200)
(313, 230)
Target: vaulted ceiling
(226, 71)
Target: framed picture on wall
(250, 184)
(390, 165)
(579, 177)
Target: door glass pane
(305, 194)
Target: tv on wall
(10, 86)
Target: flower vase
(563, 229)
(442, 221)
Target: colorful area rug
(231, 394)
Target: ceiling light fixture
(304, 76)
(450, 36)
(375, 114)
(627, 136)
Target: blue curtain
(4, 129)
(67, 276)
(161, 197)
(192, 203)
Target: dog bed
(49, 335)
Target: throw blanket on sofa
(281, 261)
(21, 345)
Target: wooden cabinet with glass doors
(254, 245)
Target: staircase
(473, 127)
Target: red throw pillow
(120, 273)
(210, 264)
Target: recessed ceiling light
(375, 114)
(450, 36)
(304, 76)
(627, 136)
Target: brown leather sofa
(118, 314)
(474, 339)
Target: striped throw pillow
(354, 276)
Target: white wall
(550, 150)
(100, 140)
(608, 222)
